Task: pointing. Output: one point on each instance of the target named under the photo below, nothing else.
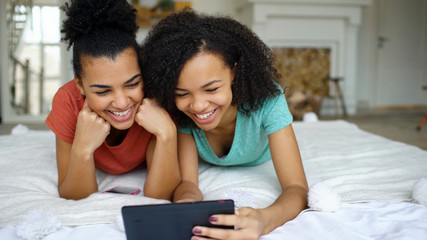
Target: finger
(225, 219)
(215, 233)
(86, 105)
(199, 238)
(145, 102)
(244, 211)
(107, 127)
(185, 200)
(150, 102)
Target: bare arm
(188, 190)
(76, 171)
(255, 222)
(76, 166)
(290, 172)
(162, 161)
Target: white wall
(3, 57)
(214, 7)
(366, 58)
(217, 7)
(404, 92)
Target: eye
(181, 94)
(212, 89)
(133, 84)
(102, 93)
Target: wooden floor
(398, 125)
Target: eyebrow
(204, 86)
(107, 86)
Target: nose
(120, 101)
(199, 104)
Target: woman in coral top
(100, 118)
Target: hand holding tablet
(172, 221)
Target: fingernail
(197, 231)
(213, 219)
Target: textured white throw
(360, 166)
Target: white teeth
(205, 115)
(121, 114)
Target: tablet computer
(172, 220)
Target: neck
(116, 136)
(228, 121)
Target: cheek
(98, 105)
(224, 98)
(137, 95)
(180, 104)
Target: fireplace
(305, 77)
(331, 25)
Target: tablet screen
(173, 220)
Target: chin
(206, 127)
(122, 125)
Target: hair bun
(88, 16)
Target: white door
(402, 26)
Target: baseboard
(401, 107)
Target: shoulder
(68, 97)
(66, 106)
(273, 101)
(69, 90)
(274, 113)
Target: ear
(79, 85)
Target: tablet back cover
(171, 221)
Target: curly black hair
(99, 28)
(180, 36)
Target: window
(40, 45)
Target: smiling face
(203, 91)
(113, 88)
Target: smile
(205, 115)
(121, 114)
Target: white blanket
(366, 221)
(360, 166)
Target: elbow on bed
(162, 191)
(74, 195)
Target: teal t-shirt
(250, 144)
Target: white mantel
(329, 24)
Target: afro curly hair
(180, 36)
(99, 28)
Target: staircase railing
(22, 76)
(18, 13)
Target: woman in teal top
(216, 78)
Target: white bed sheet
(358, 221)
(372, 173)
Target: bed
(373, 177)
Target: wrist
(167, 134)
(82, 152)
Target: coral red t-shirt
(62, 120)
